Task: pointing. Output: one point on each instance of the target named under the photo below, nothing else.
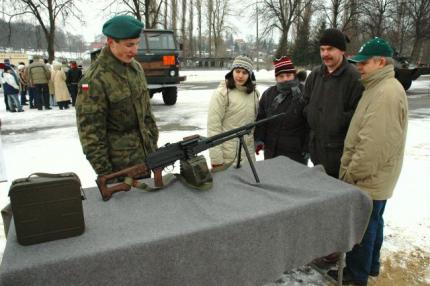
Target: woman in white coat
(58, 77)
(233, 104)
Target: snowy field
(47, 141)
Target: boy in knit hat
(285, 136)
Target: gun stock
(133, 172)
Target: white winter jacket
(229, 109)
(10, 80)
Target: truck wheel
(406, 83)
(170, 94)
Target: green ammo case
(47, 207)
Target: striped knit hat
(243, 62)
(283, 64)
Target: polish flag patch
(85, 87)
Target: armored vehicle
(158, 54)
(406, 73)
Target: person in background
(51, 86)
(58, 78)
(233, 104)
(116, 126)
(39, 75)
(11, 88)
(22, 83)
(332, 92)
(373, 154)
(285, 136)
(74, 75)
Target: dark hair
(250, 86)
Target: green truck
(159, 56)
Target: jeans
(364, 258)
(14, 102)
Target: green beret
(123, 27)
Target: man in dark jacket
(332, 92)
(285, 136)
(74, 75)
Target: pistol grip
(158, 178)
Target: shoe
(374, 274)
(24, 104)
(48, 108)
(323, 263)
(40, 109)
(346, 278)
(13, 110)
(21, 110)
(32, 107)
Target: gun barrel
(245, 127)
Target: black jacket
(285, 136)
(331, 102)
(73, 76)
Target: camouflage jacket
(116, 126)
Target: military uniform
(116, 126)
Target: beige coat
(229, 110)
(58, 78)
(375, 144)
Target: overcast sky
(94, 18)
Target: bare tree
(210, 8)
(190, 30)
(174, 11)
(281, 14)
(199, 24)
(147, 9)
(375, 13)
(339, 12)
(165, 14)
(183, 23)
(220, 12)
(47, 13)
(420, 15)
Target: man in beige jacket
(373, 153)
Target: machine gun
(193, 167)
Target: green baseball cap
(372, 48)
(123, 27)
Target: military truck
(158, 54)
(406, 73)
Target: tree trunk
(190, 30)
(183, 28)
(210, 11)
(174, 14)
(416, 51)
(283, 45)
(165, 15)
(199, 17)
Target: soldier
(116, 126)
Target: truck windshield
(159, 41)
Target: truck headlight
(172, 73)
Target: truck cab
(158, 54)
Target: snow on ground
(47, 141)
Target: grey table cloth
(237, 233)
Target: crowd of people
(39, 85)
(350, 116)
